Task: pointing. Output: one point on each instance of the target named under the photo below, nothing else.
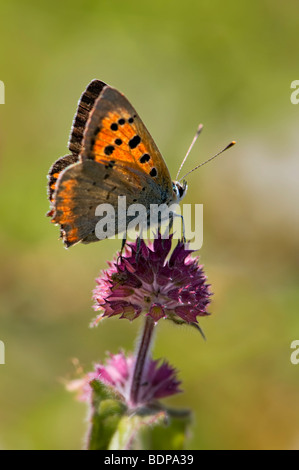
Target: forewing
(115, 133)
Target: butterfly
(112, 154)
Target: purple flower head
(157, 381)
(152, 282)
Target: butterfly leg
(170, 226)
(183, 225)
(138, 248)
(123, 244)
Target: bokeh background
(228, 65)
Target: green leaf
(171, 434)
(106, 411)
(129, 429)
(151, 428)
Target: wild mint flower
(160, 284)
(158, 381)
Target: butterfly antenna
(190, 148)
(212, 158)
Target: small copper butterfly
(112, 155)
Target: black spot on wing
(109, 150)
(145, 158)
(134, 141)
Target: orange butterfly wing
(115, 133)
(117, 156)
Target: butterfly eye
(181, 191)
(175, 189)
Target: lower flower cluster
(158, 381)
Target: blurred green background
(228, 65)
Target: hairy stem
(141, 359)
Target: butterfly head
(179, 190)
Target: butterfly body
(112, 155)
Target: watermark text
(2, 93)
(2, 352)
(295, 95)
(136, 221)
(295, 354)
